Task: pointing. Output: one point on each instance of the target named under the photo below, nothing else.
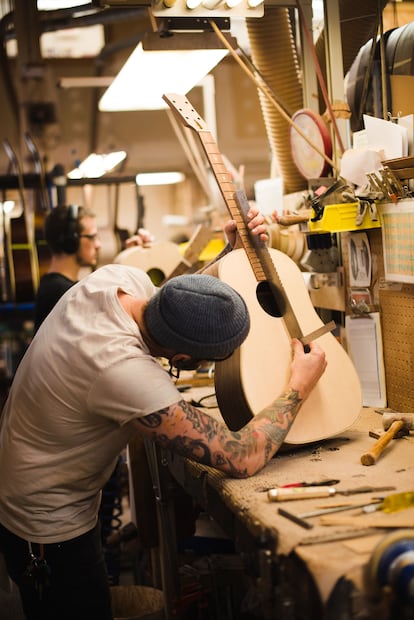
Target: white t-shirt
(85, 376)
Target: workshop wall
(396, 306)
(147, 136)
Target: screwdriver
(323, 483)
(397, 501)
(291, 493)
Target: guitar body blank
(259, 370)
(157, 260)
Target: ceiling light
(7, 206)
(97, 165)
(160, 65)
(207, 8)
(159, 178)
(53, 5)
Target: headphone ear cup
(70, 240)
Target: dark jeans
(78, 579)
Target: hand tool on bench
(388, 417)
(322, 483)
(283, 494)
(294, 218)
(397, 428)
(327, 511)
(295, 519)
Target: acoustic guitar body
(258, 371)
(157, 260)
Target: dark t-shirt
(51, 288)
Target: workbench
(318, 572)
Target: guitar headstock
(185, 112)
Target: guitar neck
(257, 253)
(44, 200)
(270, 288)
(238, 206)
(195, 246)
(23, 262)
(225, 183)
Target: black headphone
(69, 239)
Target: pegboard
(397, 312)
(397, 321)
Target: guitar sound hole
(157, 276)
(270, 299)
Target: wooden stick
(371, 457)
(265, 90)
(294, 218)
(319, 75)
(194, 161)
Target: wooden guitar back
(157, 260)
(259, 370)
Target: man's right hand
(306, 368)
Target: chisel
(327, 511)
(291, 493)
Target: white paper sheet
(365, 348)
(391, 137)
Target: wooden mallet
(389, 417)
(395, 427)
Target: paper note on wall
(359, 259)
(365, 348)
(397, 225)
(386, 135)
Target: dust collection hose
(274, 53)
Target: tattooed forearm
(193, 433)
(279, 416)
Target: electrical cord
(199, 403)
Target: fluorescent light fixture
(73, 42)
(159, 178)
(53, 5)
(149, 72)
(95, 165)
(207, 9)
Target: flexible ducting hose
(274, 54)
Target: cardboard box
(402, 95)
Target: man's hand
(143, 238)
(306, 368)
(255, 224)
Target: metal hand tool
(284, 494)
(327, 511)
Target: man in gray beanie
(90, 380)
(198, 315)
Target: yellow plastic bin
(137, 603)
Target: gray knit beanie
(198, 315)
